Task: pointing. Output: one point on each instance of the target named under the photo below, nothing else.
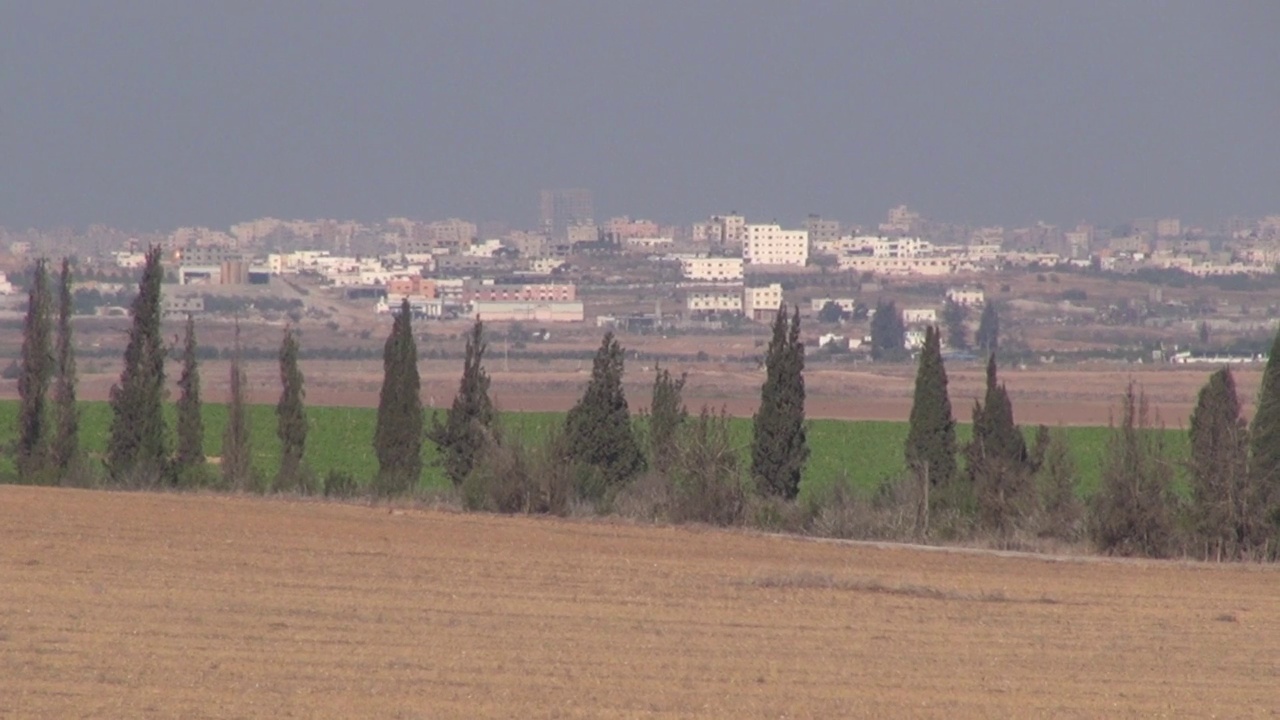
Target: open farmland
(153, 605)
(863, 452)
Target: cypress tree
(291, 419)
(471, 421)
(66, 442)
(954, 315)
(667, 415)
(189, 459)
(236, 452)
(34, 437)
(998, 464)
(888, 334)
(931, 435)
(1131, 512)
(1225, 518)
(1264, 444)
(397, 439)
(779, 445)
(988, 335)
(598, 432)
(138, 440)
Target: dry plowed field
(136, 605)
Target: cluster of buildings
(727, 263)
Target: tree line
(1004, 484)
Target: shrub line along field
(340, 438)
(185, 605)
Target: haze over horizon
(150, 115)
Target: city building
(534, 292)
(515, 311)
(562, 209)
(713, 300)
(822, 233)
(712, 269)
(966, 296)
(769, 244)
(762, 303)
(919, 316)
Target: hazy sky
(149, 115)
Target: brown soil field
(1049, 395)
(149, 605)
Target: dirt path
(137, 605)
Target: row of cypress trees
(1232, 509)
(48, 434)
(138, 452)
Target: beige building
(966, 297)
(768, 244)
(712, 269)
(761, 303)
(708, 300)
(505, 311)
(919, 316)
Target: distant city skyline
(150, 115)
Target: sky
(154, 114)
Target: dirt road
(135, 605)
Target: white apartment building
(919, 316)
(761, 303)
(845, 304)
(707, 300)
(769, 244)
(966, 297)
(712, 269)
(930, 265)
(648, 243)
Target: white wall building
(919, 316)
(761, 303)
(712, 269)
(771, 245)
(966, 297)
(704, 300)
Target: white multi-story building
(966, 297)
(845, 304)
(761, 303)
(919, 316)
(717, 300)
(712, 269)
(771, 245)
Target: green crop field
(864, 453)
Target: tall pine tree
(137, 446)
(667, 414)
(988, 335)
(1225, 515)
(237, 471)
(1264, 445)
(598, 432)
(190, 459)
(397, 439)
(887, 332)
(779, 445)
(34, 437)
(471, 421)
(66, 440)
(998, 464)
(291, 419)
(931, 435)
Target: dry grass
(165, 605)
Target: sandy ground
(147, 605)
(1053, 396)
